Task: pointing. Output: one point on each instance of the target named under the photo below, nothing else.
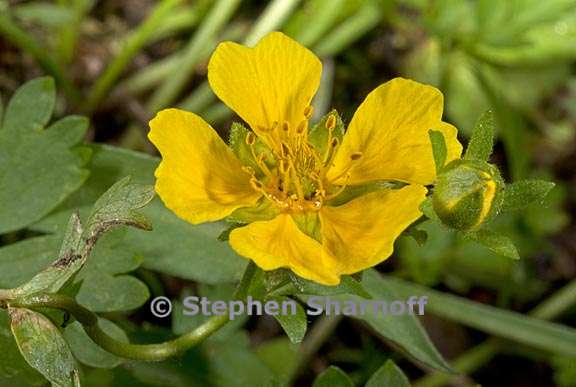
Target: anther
(331, 122)
(285, 126)
(355, 156)
(301, 127)
(308, 111)
(285, 149)
(256, 184)
(250, 138)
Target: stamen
(250, 138)
(355, 156)
(285, 126)
(340, 190)
(331, 122)
(308, 111)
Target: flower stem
(146, 352)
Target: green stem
(146, 352)
(132, 46)
(476, 357)
(27, 43)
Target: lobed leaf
(34, 160)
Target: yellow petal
(199, 177)
(272, 82)
(390, 129)
(280, 243)
(361, 233)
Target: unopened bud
(467, 194)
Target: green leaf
(523, 193)
(116, 207)
(34, 160)
(89, 353)
(31, 106)
(280, 355)
(44, 348)
(20, 261)
(333, 377)
(542, 335)
(482, 140)
(388, 375)
(439, 150)
(13, 367)
(404, 331)
(176, 247)
(496, 242)
(294, 324)
(297, 285)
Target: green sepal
(318, 134)
(496, 242)
(525, 192)
(237, 141)
(263, 210)
(439, 149)
(482, 140)
(293, 324)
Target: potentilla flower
(313, 201)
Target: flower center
(295, 179)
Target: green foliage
(36, 160)
(495, 242)
(44, 348)
(523, 193)
(546, 336)
(295, 325)
(388, 375)
(319, 134)
(403, 331)
(333, 377)
(175, 247)
(89, 353)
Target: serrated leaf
(333, 377)
(496, 242)
(439, 149)
(388, 375)
(482, 140)
(522, 193)
(294, 324)
(33, 160)
(89, 353)
(44, 348)
(118, 206)
(176, 247)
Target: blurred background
(119, 62)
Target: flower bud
(467, 194)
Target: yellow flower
(303, 227)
